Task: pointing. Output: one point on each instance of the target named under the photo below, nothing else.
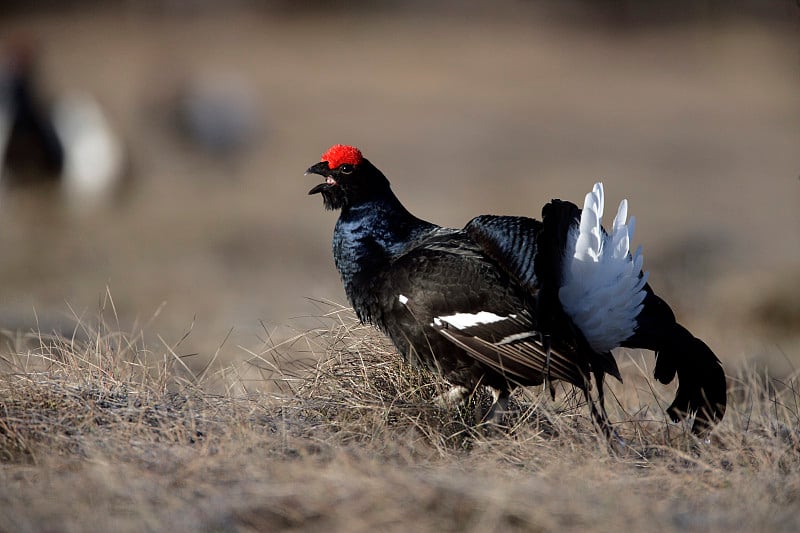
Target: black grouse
(68, 142)
(510, 301)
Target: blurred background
(155, 150)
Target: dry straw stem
(102, 430)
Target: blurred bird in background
(217, 113)
(68, 142)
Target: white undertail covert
(603, 286)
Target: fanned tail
(606, 295)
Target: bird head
(350, 179)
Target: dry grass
(105, 432)
(111, 430)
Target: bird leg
(547, 377)
(601, 396)
(499, 408)
(599, 415)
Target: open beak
(321, 169)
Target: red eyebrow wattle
(340, 154)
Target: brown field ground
(171, 363)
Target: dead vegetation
(108, 432)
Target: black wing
(531, 252)
(513, 347)
(437, 291)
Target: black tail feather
(702, 387)
(701, 380)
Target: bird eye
(346, 169)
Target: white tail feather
(602, 289)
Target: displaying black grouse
(509, 301)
